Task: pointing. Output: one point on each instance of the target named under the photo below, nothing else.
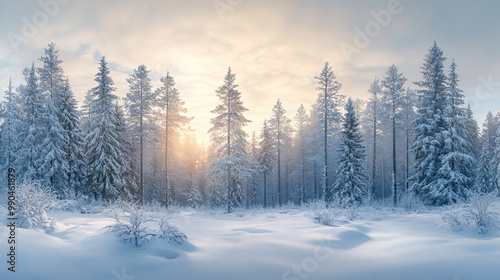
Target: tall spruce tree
(103, 156)
(70, 121)
(374, 102)
(278, 126)
(392, 99)
(266, 156)
(430, 124)
(31, 129)
(228, 165)
(350, 186)
(141, 100)
(301, 123)
(327, 105)
(174, 120)
(8, 138)
(456, 173)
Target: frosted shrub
(453, 218)
(351, 212)
(137, 232)
(480, 212)
(170, 232)
(410, 202)
(32, 201)
(323, 217)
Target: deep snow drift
(382, 243)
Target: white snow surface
(382, 243)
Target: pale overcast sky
(275, 47)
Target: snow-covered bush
(478, 211)
(136, 231)
(323, 217)
(453, 218)
(170, 232)
(411, 202)
(351, 212)
(67, 205)
(32, 201)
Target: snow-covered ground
(259, 245)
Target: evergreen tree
(128, 183)
(429, 127)
(456, 174)
(229, 165)
(53, 84)
(392, 100)
(327, 106)
(52, 79)
(8, 138)
(278, 125)
(266, 156)
(374, 102)
(31, 130)
(485, 181)
(103, 157)
(141, 101)
(70, 121)
(409, 115)
(472, 132)
(174, 120)
(301, 119)
(54, 167)
(350, 186)
(194, 196)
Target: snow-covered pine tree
(140, 107)
(128, 185)
(392, 100)
(31, 132)
(266, 156)
(372, 111)
(229, 164)
(54, 167)
(52, 79)
(174, 120)
(70, 121)
(277, 126)
(10, 118)
(430, 124)
(103, 157)
(328, 110)
(85, 113)
(301, 123)
(350, 186)
(193, 198)
(253, 154)
(52, 84)
(489, 134)
(472, 131)
(485, 181)
(456, 173)
(408, 111)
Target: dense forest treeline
(422, 141)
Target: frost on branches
(229, 166)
